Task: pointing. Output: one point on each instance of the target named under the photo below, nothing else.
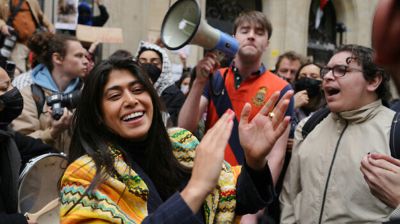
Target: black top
(15, 151)
(254, 191)
(173, 99)
(101, 19)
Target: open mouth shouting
(331, 92)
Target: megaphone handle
(35, 216)
(220, 55)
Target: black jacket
(101, 19)
(15, 151)
(173, 99)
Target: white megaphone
(183, 25)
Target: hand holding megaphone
(207, 66)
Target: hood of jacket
(165, 80)
(42, 77)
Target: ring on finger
(271, 114)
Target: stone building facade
(142, 19)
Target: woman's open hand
(208, 162)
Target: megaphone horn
(183, 25)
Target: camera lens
(57, 111)
(8, 44)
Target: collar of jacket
(361, 114)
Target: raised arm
(259, 135)
(196, 104)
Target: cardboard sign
(101, 34)
(66, 14)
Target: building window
(222, 13)
(321, 31)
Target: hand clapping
(258, 136)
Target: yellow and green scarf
(123, 198)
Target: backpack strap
(14, 11)
(394, 141)
(314, 120)
(38, 97)
(223, 103)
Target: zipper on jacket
(329, 173)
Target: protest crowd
(140, 137)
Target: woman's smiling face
(127, 106)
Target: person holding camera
(15, 150)
(19, 20)
(56, 80)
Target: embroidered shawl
(123, 198)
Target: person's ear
(57, 58)
(374, 83)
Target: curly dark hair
(44, 44)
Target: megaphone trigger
(220, 55)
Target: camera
(8, 43)
(58, 102)
(8, 66)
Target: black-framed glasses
(338, 70)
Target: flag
(320, 12)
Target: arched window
(222, 13)
(321, 30)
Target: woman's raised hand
(208, 162)
(258, 136)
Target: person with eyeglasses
(155, 59)
(323, 183)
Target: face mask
(12, 104)
(313, 86)
(185, 89)
(152, 70)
